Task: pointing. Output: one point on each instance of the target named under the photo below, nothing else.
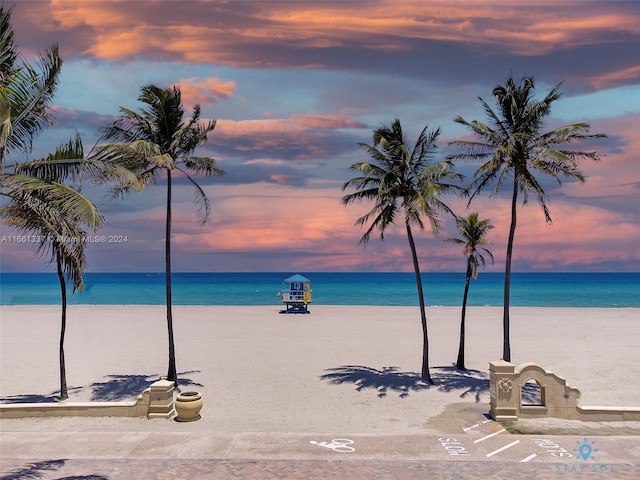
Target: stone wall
(154, 402)
(556, 398)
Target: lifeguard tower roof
(296, 278)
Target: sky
(296, 86)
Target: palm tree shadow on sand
(447, 379)
(116, 388)
(128, 387)
(52, 397)
(39, 469)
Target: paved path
(121, 469)
(479, 450)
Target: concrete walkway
(482, 449)
(120, 469)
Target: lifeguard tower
(298, 297)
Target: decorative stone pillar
(504, 400)
(161, 403)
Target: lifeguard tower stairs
(298, 297)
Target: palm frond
(383, 216)
(5, 123)
(30, 91)
(8, 50)
(200, 198)
(59, 199)
(205, 165)
(56, 213)
(64, 163)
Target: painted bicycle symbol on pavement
(337, 445)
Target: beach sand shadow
(31, 398)
(128, 387)
(39, 469)
(53, 397)
(470, 382)
(33, 470)
(121, 387)
(85, 477)
(116, 388)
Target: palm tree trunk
(460, 360)
(426, 376)
(172, 374)
(63, 292)
(506, 343)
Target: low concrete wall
(80, 409)
(154, 402)
(586, 414)
(608, 414)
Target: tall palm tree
(158, 140)
(400, 179)
(55, 216)
(473, 233)
(37, 202)
(514, 149)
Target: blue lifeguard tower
(298, 297)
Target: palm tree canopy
(39, 203)
(157, 138)
(25, 91)
(53, 212)
(401, 179)
(511, 144)
(473, 232)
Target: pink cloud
(266, 162)
(262, 219)
(253, 219)
(616, 173)
(206, 91)
(579, 235)
(218, 32)
(625, 76)
(294, 124)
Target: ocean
(611, 290)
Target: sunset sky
(295, 86)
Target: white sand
(261, 371)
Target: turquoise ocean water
(616, 290)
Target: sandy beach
(340, 368)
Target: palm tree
(37, 201)
(473, 232)
(55, 216)
(400, 179)
(156, 140)
(514, 149)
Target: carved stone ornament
(505, 385)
